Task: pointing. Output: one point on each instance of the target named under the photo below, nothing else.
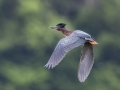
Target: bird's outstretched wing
(86, 62)
(63, 46)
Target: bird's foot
(93, 42)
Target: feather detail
(86, 62)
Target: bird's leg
(92, 42)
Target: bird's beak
(53, 27)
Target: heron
(72, 39)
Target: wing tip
(81, 79)
(49, 66)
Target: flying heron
(74, 39)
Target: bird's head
(58, 27)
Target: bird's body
(74, 39)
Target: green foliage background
(26, 43)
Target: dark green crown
(61, 25)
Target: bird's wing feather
(63, 46)
(86, 62)
(82, 34)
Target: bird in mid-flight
(74, 39)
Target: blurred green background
(26, 44)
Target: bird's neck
(66, 32)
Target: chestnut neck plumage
(65, 31)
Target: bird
(72, 39)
